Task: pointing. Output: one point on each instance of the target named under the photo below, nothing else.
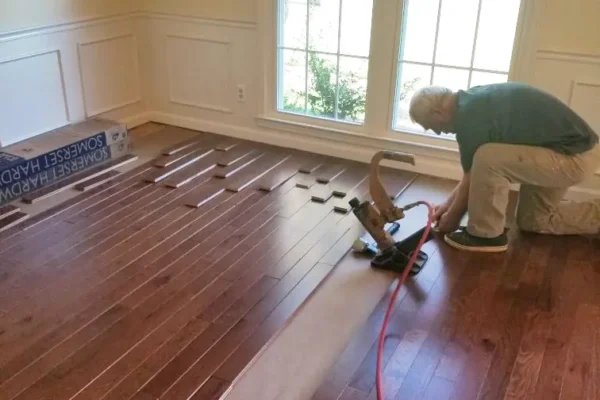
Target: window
(323, 58)
(454, 43)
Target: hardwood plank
(577, 377)
(213, 389)
(350, 179)
(166, 161)
(330, 173)
(321, 193)
(8, 209)
(279, 175)
(148, 304)
(238, 166)
(96, 181)
(361, 192)
(258, 170)
(47, 219)
(12, 220)
(205, 193)
(438, 389)
(353, 394)
(125, 275)
(179, 147)
(528, 363)
(306, 182)
(164, 173)
(200, 168)
(227, 144)
(161, 385)
(235, 155)
(394, 186)
(311, 165)
(67, 183)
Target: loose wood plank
(97, 181)
(202, 167)
(181, 146)
(205, 193)
(12, 220)
(165, 161)
(321, 193)
(348, 181)
(360, 191)
(237, 166)
(330, 173)
(235, 155)
(71, 181)
(213, 389)
(279, 175)
(258, 170)
(227, 145)
(7, 210)
(164, 173)
(311, 166)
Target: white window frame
(378, 129)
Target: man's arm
(460, 197)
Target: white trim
(89, 22)
(197, 20)
(557, 55)
(136, 120)
(575, 83)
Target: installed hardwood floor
(520, 325)
(147, 287)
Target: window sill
(416, 144)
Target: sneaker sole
(485, 249)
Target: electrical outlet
(241, 93)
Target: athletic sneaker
(463, 240)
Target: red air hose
(413, 259)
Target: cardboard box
(58, 172)
(34, 156)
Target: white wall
(65, 73)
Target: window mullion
(474, 43)
(306, 57)
(337, 69)
(435, 43)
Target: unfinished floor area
(220, 268)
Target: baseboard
(136, 120)
(425, 165)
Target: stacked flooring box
(35, 163)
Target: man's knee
(488, 155)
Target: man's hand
(440, 210)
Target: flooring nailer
(379, 218)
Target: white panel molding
(64, 27)
(61, 120)
(577, 83)
(120, 104)
(556, 55)
(197, 20)
(200, 105)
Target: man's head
(433, 108)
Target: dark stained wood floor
(167, 280)
(520, 325)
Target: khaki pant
(545, 176)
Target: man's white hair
(425, 100)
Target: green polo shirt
(515, 113)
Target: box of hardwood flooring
(63, 170)
(31, 157)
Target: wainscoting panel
(575, 79)
(32, 99)
(109, 73)
(200, 72)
